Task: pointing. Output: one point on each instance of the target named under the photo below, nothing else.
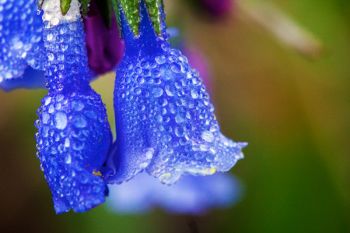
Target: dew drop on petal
(208, 136)
(80, 122)
(158, 92)
(60, 120)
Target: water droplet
(51, 109)
(159, 118)
(78, 145)
(45, 118)
(68, 159)
(50, 56)
(176, 68)
(179, 131)
(194, 94)
(169, 90)
(67, 143)
(77, 105)
(50, 37)
(143, 165)
(160, 59)
(60, 120)
(80, 121)
(179, 119)
(208, 136)
(138, 91)
(18, 45)
(158, 92)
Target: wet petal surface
(21, 44)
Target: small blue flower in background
(73, 132)
(21, 46)
(191, 195)
(165, 121)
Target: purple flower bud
(217, 8)
(104, 46)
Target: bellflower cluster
(165, 123)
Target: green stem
(132, 12)
(131, 9)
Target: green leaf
(131, 9)
(154, 7)
(40, 3)
(65, 5)
(85, 6)
(117, 15)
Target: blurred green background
(294, 110)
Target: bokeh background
(291, 102)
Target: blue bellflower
(165, 121)
(73, 136)
(22, 54)
(190, 195)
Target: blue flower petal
(30, 79)
(73, 132)
(73, 140)
(191, 195)
(21, 44)
(165, 120)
